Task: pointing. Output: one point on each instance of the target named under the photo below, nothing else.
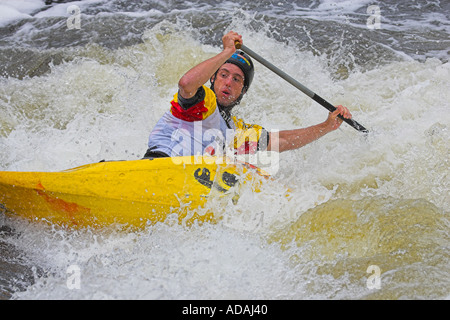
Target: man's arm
(201, 73)
(297, 138)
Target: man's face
(228, 84)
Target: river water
(367, 216)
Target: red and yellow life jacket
(201, 129)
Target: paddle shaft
(299, 86)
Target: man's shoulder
(199, 107)
(203, 94)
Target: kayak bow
(132, 193)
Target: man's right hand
(230, 39)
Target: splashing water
(333, 208)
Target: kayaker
(200, 120)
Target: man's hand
(230, 39)
(333, 121)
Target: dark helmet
(243, 61)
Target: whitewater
(350, 216)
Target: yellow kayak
(132, 193)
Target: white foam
(23, 6)
(60, 9)
(342, 5)
(86, 109)
(13, 10)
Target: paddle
(298, 85)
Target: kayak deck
(132, 193)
